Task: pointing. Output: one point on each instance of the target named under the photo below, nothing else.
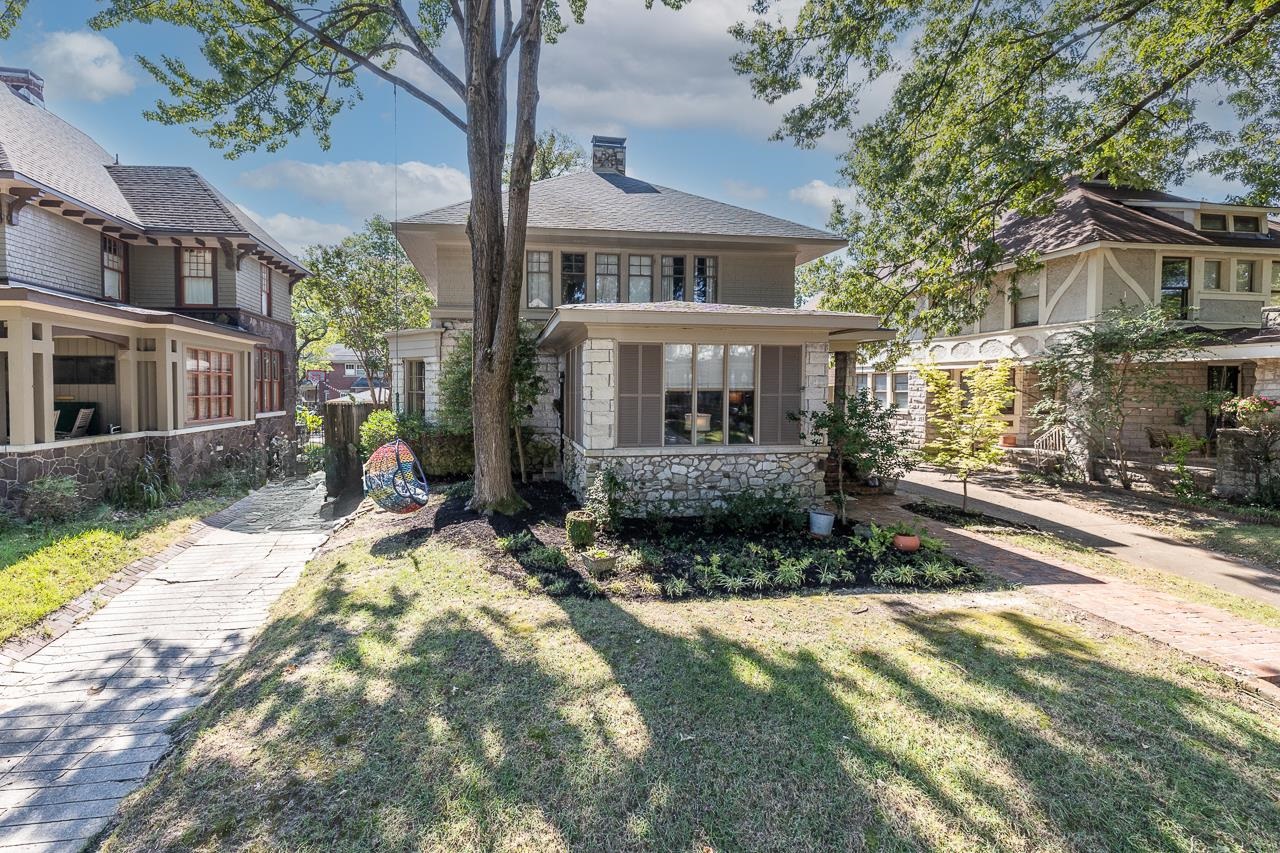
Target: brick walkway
(83, 719)
(1249, 649)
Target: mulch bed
(953, 515)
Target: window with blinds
(639, 395)
(781, 388)
(571, 396)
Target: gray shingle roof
(608, 202)
(44, 148)
(1090, 212)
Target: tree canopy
(555, 153)
(995, 105)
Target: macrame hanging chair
(393, 479)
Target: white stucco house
(669, 336)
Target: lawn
(43, 566)
(405, 698)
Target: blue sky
(659, 77)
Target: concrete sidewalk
(83, 719)
(1124, 540)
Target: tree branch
(424, 52)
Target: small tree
(366, 287)
(968, 419)
(455, 387)
(1095, 379)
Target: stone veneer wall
(1236, 475)
(1266, 381)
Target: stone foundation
(1238, 477)
(696, 481)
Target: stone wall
(1266, 382)
(696, 481)
(1238, 475)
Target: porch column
(127, 387)
(42, 367)
(168, 410)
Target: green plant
(751, 512)
(790, 572)
(315, 457)
(543, 558)
(1181, 447)
(380, 427)
(646, 585)
(515, 542)
(52, 498)
(630, 561)
(146, 486)
(307, 420)
(580, 527)
(968, 419)
(939, 571)
(460, 490)
(607, 496)
(677, 588)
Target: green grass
(1259, 542)
(1091, 558)
(43, 566)
(409, 700)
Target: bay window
(640, 278)
(196, 274)
(538, 279)
(709, 423)
(606, 277)
(210, 385)
(742, 394)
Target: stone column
(598, 394)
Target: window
(640, 278)
(113, 283)
(742, 394)
(1212, 275)
(673, 277)
(84, 370)
(268, 381)
(1246, 275)
(606, 278)
(571, 395)
(210, 385)
(900, 390)
(538, 279)
(709, 423)
(1213, 222)
(1275, 276)
(1175, 281)
(197, 276)
(862, 384)
(353, 370)
(1244, 224)
(1026, 309)
(880, 386)
(704, 279)
(415, 386)
(264, 288)
(781, 386)
(573, 277)
(678, 394)
(640, 415)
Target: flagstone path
(83, 719)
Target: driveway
(83, 719)
(1124, 540)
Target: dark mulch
(953, 515)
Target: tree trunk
(497, 250)
(964, 493)
(524, 476)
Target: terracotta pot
(906, 543)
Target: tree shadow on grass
(397, 716)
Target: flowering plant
(1250, 411)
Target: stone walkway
(1247, 648)
(1124, 540)
(83, 719)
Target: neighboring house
(137, 292)
(669, 342)
(345, 376)
(1217, 265)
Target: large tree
(555, 153)
(994, 105)
(274, 69)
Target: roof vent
(609, 155)
(24, 83)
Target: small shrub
(648, 586)
(559, 587)
(790, 573)
(543, 558)
(315, 457)
(462, 490)
(52, 499)
(380, 427)
(146, 486)
(307, 420)
(895, 574)
(939, 572)
(607, 497)
(630, 561)
(677, 588)
(750, 512)
(580, 527)
(515, 542)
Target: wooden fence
(342, 420)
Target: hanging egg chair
(393, 479)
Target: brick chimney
(24, 83)
(609, 155)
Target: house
(141, 312)
(668, 336)
(344, 377)
(1216, 265)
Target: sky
(660, 77)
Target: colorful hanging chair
(393, 479)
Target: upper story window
(704, 279)
(113, 281)
(1213, 222)
(573, 277)
(901, 390)
(197, 276)
(1246, 276)
(264, 288)
(1026, 308)
(538, 279)
(673, 277)
(640, 278)
(1212, 275)
(1244, 224)
(606, 277)
(1175, 283)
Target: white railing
(1053, 440)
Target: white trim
(120, 436)
(704, 449)
(1126, 278)
(276, 414)
(1062, 288)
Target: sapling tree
(1095, 379)
(967, 419)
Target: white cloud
(298, 232)
(744, 190)
(83, 65)
(365, 187)
(821, 194)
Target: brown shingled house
(1217, 265)
(141, 312)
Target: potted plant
(599, 562)
(580, 528)
(906, 539)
